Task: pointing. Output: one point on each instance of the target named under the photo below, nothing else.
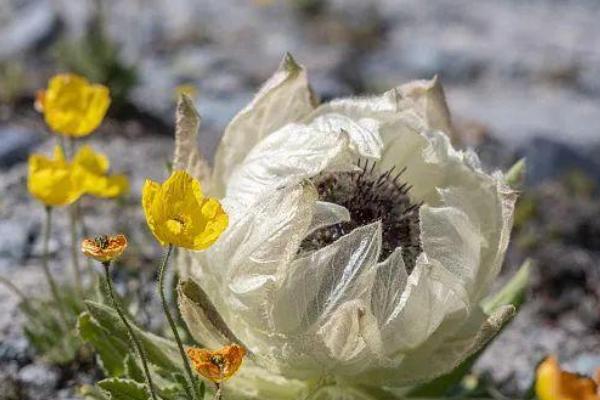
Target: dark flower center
(101, 241)
(371, 195)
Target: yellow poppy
(219, 365)
(104, 248)
(552, 383)
(72, 106)
(91, 170)
(178, 213)
(52, 181)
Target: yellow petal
(52, 181)
(149, 194)
(91, 160)
(72, 106)
(178, 214)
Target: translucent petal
(315, 285)
(286, 97)
(442, 352)
(326, 214)
(287, 157)
(388, 286)
(252, 255)
(363, 132)
(428, 99)
(431, 294)
(449, 237)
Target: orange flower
(218, 365)
(552, 383)
(104, 248)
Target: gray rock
(548, 159)
(25, 26)
(39, 380)
(15, 144)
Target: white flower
(335, 269)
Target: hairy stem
(191, 386)
(132, 336)
(75, 250)
(46, 268)
(219, 392)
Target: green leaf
(111, 349)
(516, 174)
(133, 370)
(161, 352)
(513, 293)
(124, 389)
(89, 392)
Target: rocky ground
(522, 79)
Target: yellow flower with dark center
(91, 170)
(72, 106)
(104, 248)
(178, 213)
(53, 181)
(218, 365)
(552, 383)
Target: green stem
(132, 335)
(75, 250)
(15, 290)
(218, 393)
(61, 142)
(71, 142)
(46, 268)
(188, 370)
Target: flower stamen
(369, 196)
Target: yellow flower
(552, 383)
(218, 365)
(52, 181)
(91, 170)
(72, 106)
(104, 248)
(178, 213)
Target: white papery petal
(490, 207)
(327, 214)
(254, 382)
(376, 107)
(317, 302)
(251, 256)
(442, 352)
(389, 283)
(427, 98)
(286, 97)
(430, 295)
(364, 136)
(315, 285)
(449, 237)
(287, 157)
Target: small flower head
(91, 169)
(72, 106)
(52, 181)
(104, 248)
(218, 365)
(178, 213)
(552, 383)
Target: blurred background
(522, 79)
